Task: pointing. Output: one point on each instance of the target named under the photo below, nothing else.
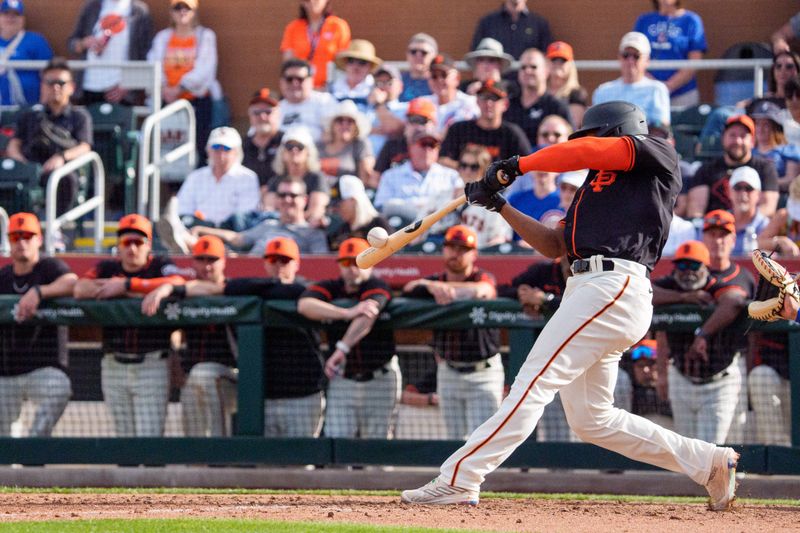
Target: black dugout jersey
(626, 214)
(24, 348)
(292, 359)
(134, 340)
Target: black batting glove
(478, 193)
(501, 174)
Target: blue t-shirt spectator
(21, 87)
(673, 38)
(413, 87)
(780, 155)
(545, 209)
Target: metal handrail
(96, 203)
(758, 66)
(5, 246)
(150, 170)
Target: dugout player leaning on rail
(362, 368)
(134, 373)
(30, 369)
(206, 371)
(613, 234)
(469, 374)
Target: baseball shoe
(721, 484)
(438, 492)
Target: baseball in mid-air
(377, 237)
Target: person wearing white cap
(745, 191)
(782, 234)
(634, 86)
(356, 211)
(568, 185)
(219, 195)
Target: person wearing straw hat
(30, 369)
(356, 212)
(515, 26)
(344, 148)
(362, 367)
(488, 62)
(358, 63)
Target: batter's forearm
(549, 242)
(600, 153)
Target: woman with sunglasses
(297, 160)
(188, 53)
(344, 148)
(782, 234)
(562, 80)
(357, 64)
(770, 142)
(490, 227)
(316, 36)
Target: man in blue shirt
(19, 87)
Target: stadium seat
(19, 186)
(732, 86)
(686, 126)
(117, 144)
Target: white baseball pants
(467, 400)
(136, 394)
(601, 315)
(48, 389)
(208, 398)
(770, 395)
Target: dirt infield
(491, 515)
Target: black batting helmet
(613, 119)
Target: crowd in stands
(347, 143)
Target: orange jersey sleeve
(598, 153)
(145, 285)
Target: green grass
(198, 525)
(390, 493)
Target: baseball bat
(400, 238)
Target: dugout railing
(252, 317)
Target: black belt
(706, 380)
(369, 376)
(136, 358)
(579, 266)
(468, 368)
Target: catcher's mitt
(774, 285)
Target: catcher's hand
(774, 286)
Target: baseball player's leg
(719, 406)
(49, 390)
(380, 400)
(273, 417)
(588, 402)
(193, 411)
(739, 429)
(10, 402)
(600, 314)
(341, 417)
(685, 403)
(209, 385)
(150, 396)
(452, 389)
(302, 417)
(484, 393)
(769, 398)
(115, 379)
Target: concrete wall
(249, 31)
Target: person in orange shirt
(316, 36)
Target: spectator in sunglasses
(357, 63)
(298, 160)
(640, 368)
(420, 117)
(745, 189)
(705, 379)
(362, 368)
(30, 370)
(291, 222)
(562, 80)
(263, 137)
(54, 132)
(344, 149)
(770, 142)
(634, 86)
(421, 50)
(134, 370)
(223, 194)
(386, 112)
(490, 227)
(301, 105)
(315, 36)
(553, 129)
(452, 104)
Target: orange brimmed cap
(24, 223)
(136, 223)
(461, 235)
(692, 251)
(209, 246)
(352, 247)
(282, 246)
(560, 50)
(719, 218)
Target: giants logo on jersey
(604, 178)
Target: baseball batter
(613, 234)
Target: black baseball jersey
(502, 143)
(722, 345)
(134, 340)
(258, 159)
(468, 345)
(377, 348)
(716, 175)
(545, 275)
(529, 118)
(626, 214)
(393, 153)
(209, 343)
(25, 348)
(293, 362)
